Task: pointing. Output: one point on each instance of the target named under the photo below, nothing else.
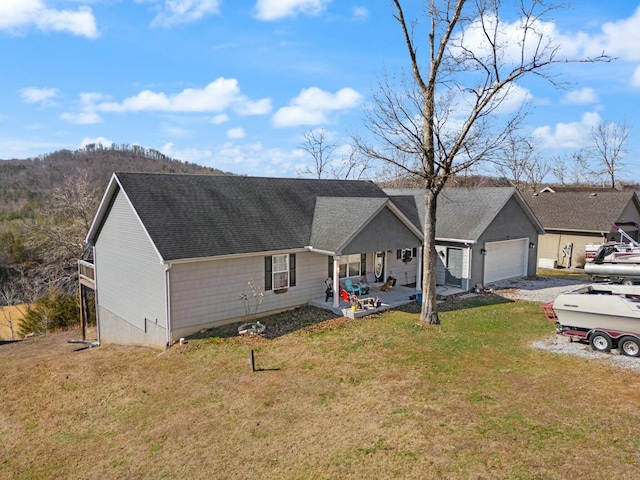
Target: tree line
(46, 208)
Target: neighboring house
(483, 235)
(573, 219)
(174, 253)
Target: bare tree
(321, 150)
(574, 169)
(352, 164)
(449, 115)
(608, 149)
(9, 297)
(516, 161)
(56, 239)
(537, 173)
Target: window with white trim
(280, 272)
(350, 265)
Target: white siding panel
(405, 273)
(130, 275)
(209, 292)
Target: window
(350, 265)
(406, 254)
(279, 271)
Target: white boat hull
(607, 307)
(616, 269)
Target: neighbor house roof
(200, 216)
(463, 214)
(589, 211)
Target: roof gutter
(456, 240)
(319, 250)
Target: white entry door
(506, 259)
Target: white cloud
(249, 158)
(16, 15)
(580, 97)
(313, 105)
(43, 96)
(635, 78)
(568, 135)
(82, 118)
(176, 12)
(236, 133)
(360, 13)
(261, 107)
(509, 38)
(217, 96)
(278, 9)
(220, 119)
(18, 148)
(95, 141)
(620, 39)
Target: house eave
(456, 240)
(232, 256)
(575, 230)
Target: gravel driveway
(546, 289)
(539, 289)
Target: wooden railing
(86, 274)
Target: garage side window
(279, 271)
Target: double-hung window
(280, 271)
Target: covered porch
(397, 296)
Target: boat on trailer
(607, 316)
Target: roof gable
(465, 213)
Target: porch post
(419, 270)
(336, 282)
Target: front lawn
(380, 397)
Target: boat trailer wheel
(629, 346)
(601, 342)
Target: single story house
(174, 254)
(483, 235)
(574, 219)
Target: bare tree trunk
(429, 312)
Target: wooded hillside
(46, 207)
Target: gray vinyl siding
(510, 224)
(384, 232)
(405, 273)
(207, 293)
(114, 329)
(130, 275)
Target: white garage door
(506, 259)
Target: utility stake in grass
(253, 362)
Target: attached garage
(483, 235)
(506, 259)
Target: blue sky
(236, 84)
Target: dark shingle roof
(581, 211)
(195, 216)
(463, 213)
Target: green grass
(380, 397)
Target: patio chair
(351, 288)
(329, 289)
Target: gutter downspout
(469, 264)
(95, 292)
(419, 270)
(167, 293)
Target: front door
(378, 266)
(454, 267)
